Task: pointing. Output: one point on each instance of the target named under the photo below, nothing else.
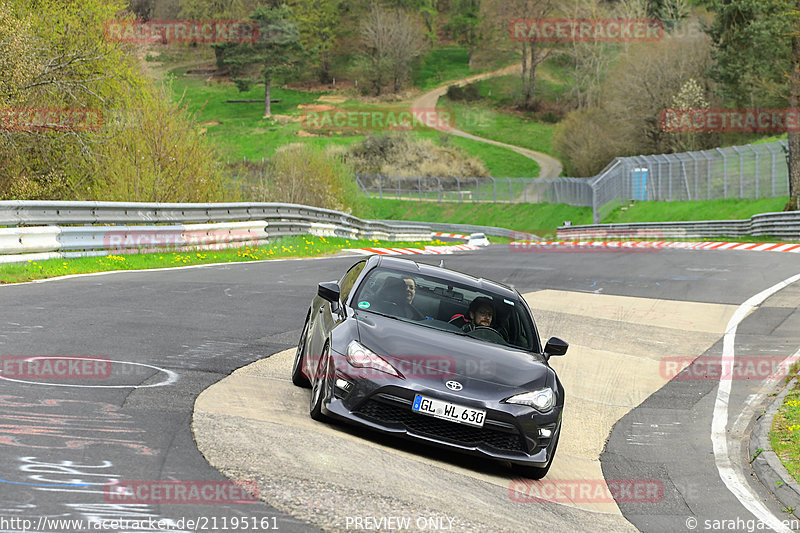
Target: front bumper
(510, 432)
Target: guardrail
(42, 230)
(784, 225)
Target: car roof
(413, 267)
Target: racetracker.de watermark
(730, 120)
(32, 367)
(726, 368)
(567, 30)
(379, 119)
(133, 241)
(375, 368)
(181, 492)
(586, 490)
(181, 31)
(50, 119)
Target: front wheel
(318, 387)
(537, 472)
(298, 378)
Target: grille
(443, 430)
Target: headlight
(360, 356)
(541, 400)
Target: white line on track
(733, 477)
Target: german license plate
(448, 411)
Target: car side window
(349, 279)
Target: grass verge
(541, 219)
(300, 246)
(544, 219)
(731, 209)
(785, 433)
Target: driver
(480, 313)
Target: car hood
(423, 352)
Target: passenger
(411, 289)
(396, 293)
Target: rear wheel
(298, 378)
(319, 385)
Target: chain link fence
(572, 191)
(749, 172)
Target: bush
(154, 153)
(303, 174)
(400, 155)
(466, 93)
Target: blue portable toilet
(639, 179)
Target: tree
(646, 79)
(218, 9)
(589, 59)
(465, 23)
(317, 23)
(274, 52)
(501, 13)
(392, 40)
(757, 62)
(47, 63)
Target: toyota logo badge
(454, 385)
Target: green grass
(441, 65)
(300, 246)
(541, 219)
(242, 131)
(516, 129)
(732, 209)
(506, 91)
(785, 433)
(447, 63)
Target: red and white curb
(428, 250)
(452, 235)
(715, 245)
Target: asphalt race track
(161, 339)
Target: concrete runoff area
(254, 425)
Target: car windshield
(441, 304)
(477, 236)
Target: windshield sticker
(363, 305)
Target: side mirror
(329, 290)
(555, 346)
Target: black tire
(536, 472)
(298, 378)
(319, 386)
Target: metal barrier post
(756, 174)
(724, 173)
(741, 171)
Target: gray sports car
(433, 355)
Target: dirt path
(550, 167)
